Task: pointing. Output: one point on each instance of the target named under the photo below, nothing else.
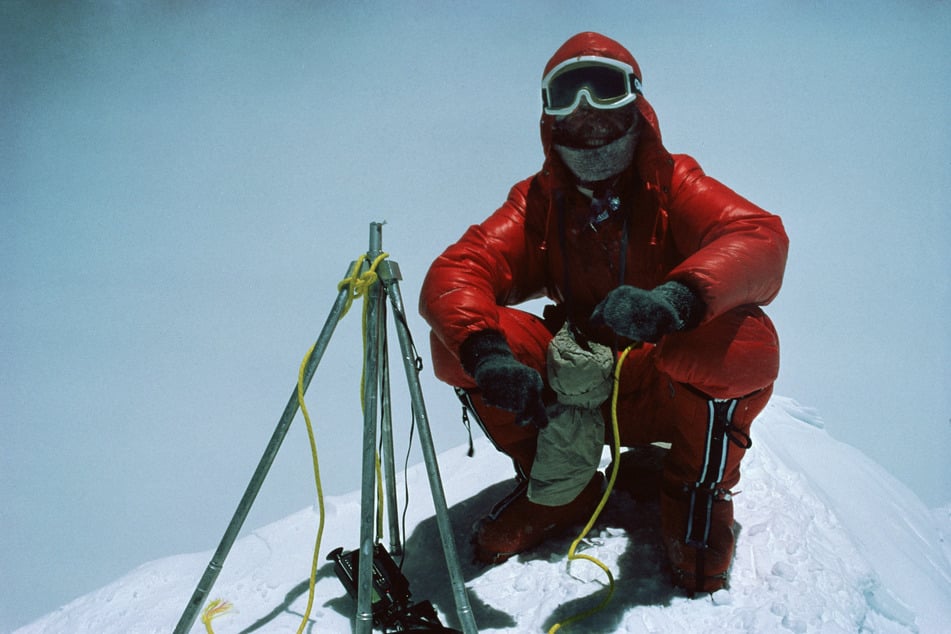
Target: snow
(829, 542)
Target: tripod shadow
(424, 563)
(285, 606)
(343, 604)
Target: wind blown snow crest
(828, 542)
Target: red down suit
(676, 223)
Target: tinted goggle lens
(605, 85)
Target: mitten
(641, 315)
(505, 382)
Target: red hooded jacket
(680, 224)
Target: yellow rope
(572, 554)
(320, 489)
(213, 610)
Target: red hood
(591, 43)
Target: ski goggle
(605, 83)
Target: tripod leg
(364, 615)
(386, 440)
(208, 579)
(463, 609)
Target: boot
(517, 524)
(696, 503)
(698, 533)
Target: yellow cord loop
(572, 554)
(213, 610)
(360, 283)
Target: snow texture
(828, 542)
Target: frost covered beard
(590, 165)
(595, 144)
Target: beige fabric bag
(569, 448)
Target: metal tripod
(375, 391)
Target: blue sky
(183, 185)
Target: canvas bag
(569, 448)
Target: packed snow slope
(828, 542)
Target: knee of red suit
(730, 356)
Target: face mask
(590, 165)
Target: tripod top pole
(376, 239)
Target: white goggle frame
(632, 84)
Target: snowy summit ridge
(828, 542)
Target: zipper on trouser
(704, 492)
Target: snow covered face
(596, 144)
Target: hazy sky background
(182, 185)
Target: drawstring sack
(569, 449)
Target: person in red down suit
(631, 244)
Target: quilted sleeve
(735, 252)
(493, 264)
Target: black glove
(505, 383)
(641, 315)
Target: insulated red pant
(698, 390)
(667, 392)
